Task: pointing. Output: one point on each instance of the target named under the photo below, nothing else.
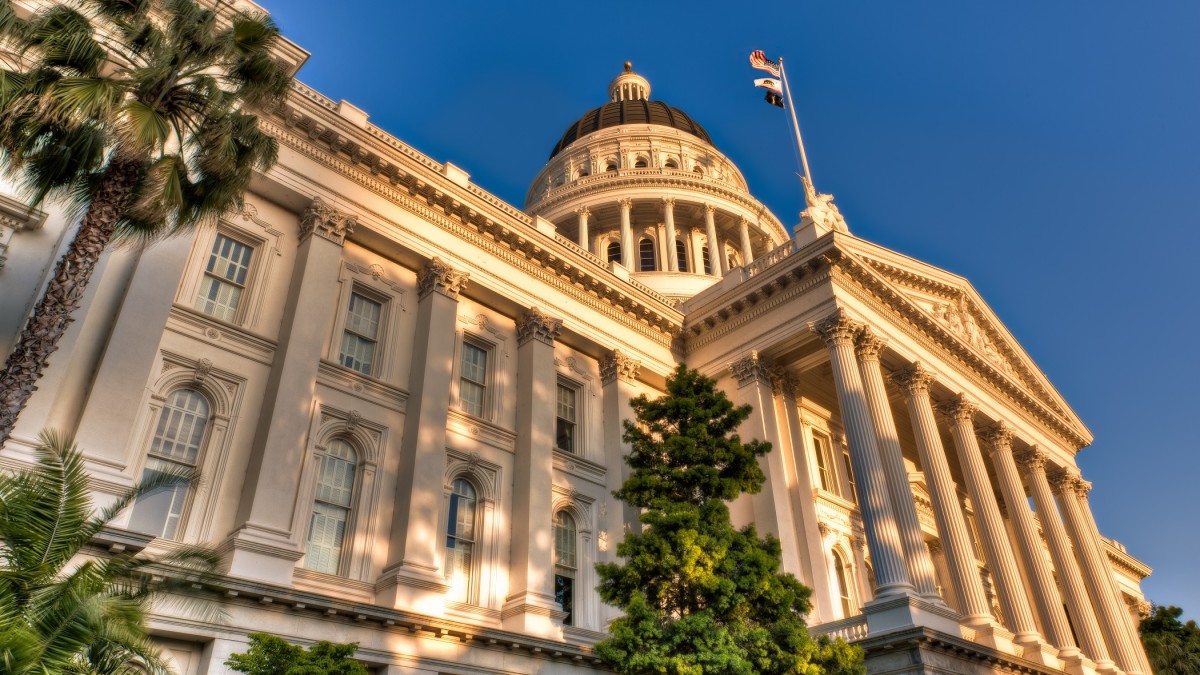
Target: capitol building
(406, 398)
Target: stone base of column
(413, 587)
(1075, 663)
(990, 634)
(533, 614)
(1034, 649)
(885, 615)
(261, 555)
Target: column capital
(914, 379)
(869, 345)
(1031, 460)
(750, 368)
(537, 325)
(959, 409)
(625, 202)
(668, 202)
(710, 208)
(998, 436)
(935, 546)
(836, 329)
(616, 365)
(1064, 481)
(441, 277)
(323, 220)
(583, 211)
(783, 382)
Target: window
(473, 380)
(853, 493)
(614, 252)
(733, 259)
(681, 255)
(361, 334)
(567, 417)
(460, 538)
(671, 164)
(824, 462)
(640, 163)
(331, 507)
(175, 449)
(224, 278)
(706, 260)
(584, 171)
(841, 577)
(611, 166)
(565, 564)
(646, 255)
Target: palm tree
(134, 111)
(63, 612)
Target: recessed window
(824, 463)
(671, 164)
(361, 334)
(681, 255)
(460, 538)
(640, 163)
(613, 252)
(567, 415)
(224, 278)
(611, 166)
(331, 507)
(584, 171)
(706, 259)
(646, 255)
(175, 449)
(852, 492)
(472, 385)
(842, 578)
(565, 564)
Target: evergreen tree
(270, 655)
(700, 596)
(1172, 646)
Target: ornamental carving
(203, 369)
(869, 345)
(537, 325)
(749, 369)
(836, 329)
(1032, 460)
(821, 210)
(440, 277)
(326, 222)
(999, 436)
(914, 379)
(1065, 481)
(959, 409)
(958, 319)
(616, 365)
(783, 382)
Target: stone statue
(821, 209)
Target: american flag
(760, 61)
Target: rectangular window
(853, 494)
(824, 461)
(224, 278)
(361, 334)
(564, 438)
(472, 384)
(564, 595)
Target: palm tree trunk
(40, 336)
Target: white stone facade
(395, 384)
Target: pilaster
(627, 252)
(672, 256)
(716, 255)
(618, 377)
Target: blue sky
(1049, 152)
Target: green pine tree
(1172, 646)
(700, 596)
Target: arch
(330, 523)
(177, 444)
(647, 260)
(365, 444)
(198, 376)
(579, 512)
(610, 165)
(641, 162)
(670, 163)
(584, 170)
(612, 252)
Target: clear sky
(1048, 152)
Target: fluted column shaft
(916, 555)
(715, 259)
(879, 520)
(584, 213)
(952, 527)
(1001, 562)
(1048, 600)
(626, 235)
(669, 222)
(1096, 573)
(747, 252)
(1083, 618)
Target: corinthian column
(1083, 619)
(1000, 559)
(716, 259)
(952, 528)
(920, 567)
(1049, 604)
(672, 256)
(879, 520)
(747, 251)
(1096, 573)
(626, 235)
(584, 213)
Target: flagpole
(787, 90)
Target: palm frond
(64, 38)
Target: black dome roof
(640, 111)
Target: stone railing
(770, 258)
(850, 629)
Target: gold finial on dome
(628, 86)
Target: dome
(638, 111)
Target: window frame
(827, 475)
(470, 593)
(681, 255)
(608, 252)
(565, 571)
(487, 403)
(346, 546)
(244, 297)
(179, 532)
(642, 253)
(379, 357)
(577, 390)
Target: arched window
(565, 564)
(697, 170)
(646, 255)
(584, 171)
(842, 575)
(331, 507)
(460, 538)
(614, 252)
(611, 166)
(175, 449)
(681, 255)
(671, 164)
(640, 163)
(733, 259)
(706, 259)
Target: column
(747, 252)
(672, 256)
(1083, 619)
(627, 252)
(952, 527)
(891, 576)
(715, 257)
(414, 564)
(945, 584)
(1097, 574)
(583, 228)
(993, 535)
(265, 545)
(772, 505)
(618, 377)
(920, 567)
(530, 607)
(1046, 596)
